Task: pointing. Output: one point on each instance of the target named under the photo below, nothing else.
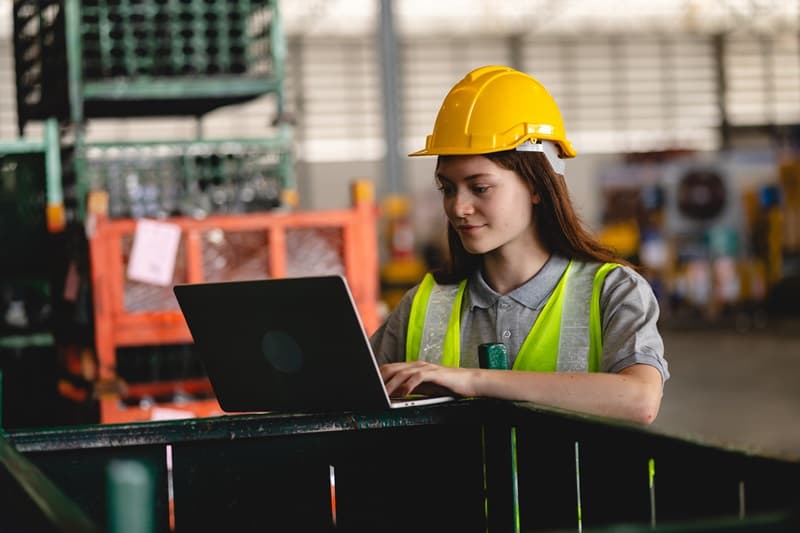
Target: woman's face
(491, 208)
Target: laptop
(286, 344)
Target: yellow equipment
(404, 268)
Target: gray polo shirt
(628, 307)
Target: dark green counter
(448, 467)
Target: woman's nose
(461, 205)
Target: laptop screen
(289, 344)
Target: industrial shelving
(78, 61)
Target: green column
(131, 497)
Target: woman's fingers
(416, 377)
(402, 378)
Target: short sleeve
(630, 314)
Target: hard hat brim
(567, 151)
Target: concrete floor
(737, 389)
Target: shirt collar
(533, 293)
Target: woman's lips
(468, 228)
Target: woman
(579, 323)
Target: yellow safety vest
(573, 309)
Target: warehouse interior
(685, 115)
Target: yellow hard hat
(496, 108)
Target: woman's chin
(475, 248)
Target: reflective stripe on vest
(566, 336)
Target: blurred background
(685, 115)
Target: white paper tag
(155, 246)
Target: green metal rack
(84, 59)
(81, 60)
(189, 178)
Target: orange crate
(122, 319)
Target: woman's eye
(445, 189)
(480, 189)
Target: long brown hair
(558, 227)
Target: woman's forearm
(633, 394)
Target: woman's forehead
(460, 165)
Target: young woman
(580, 325)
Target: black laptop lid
(289, 344)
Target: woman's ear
(535, 198)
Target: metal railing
(471, 465)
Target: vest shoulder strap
(596, 318)
(581, 339)
(573, 341)
(434, 323)
(416, 319)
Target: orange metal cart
(116, 325)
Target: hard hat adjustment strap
(549, 149)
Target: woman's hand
(420, 377)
